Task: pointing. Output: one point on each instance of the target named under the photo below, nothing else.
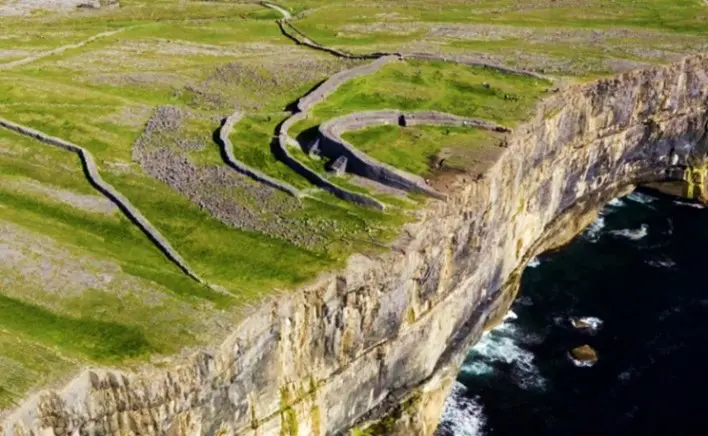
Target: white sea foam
(625, 376)
(586, 323)
(661, 263)
(581, 363)
(593, 231)
(641, 198)
(524, 300)
(503, 344)
(462, 415)
(687, 204)
(633, 234)
(477, 368)
(616, 203)
(533, 263)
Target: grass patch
(441, 86)
(417, 149)
(97, 340)
(25, 365)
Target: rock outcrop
(384, 338)
(584, 355)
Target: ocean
(639, 276)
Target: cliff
(378, 344)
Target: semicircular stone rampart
(332, 145)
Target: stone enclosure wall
(332, 145)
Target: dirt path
(57, 50)
(92, 173)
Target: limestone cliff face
(378, 344)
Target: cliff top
(165, 224)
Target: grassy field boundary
(227, 148)
(92, 173)
(281, 147)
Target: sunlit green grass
(415, 149)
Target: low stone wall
(457, 60)
(92, 173)
(333, 83)
(313, 177)
(333, 145)
(292, 32)
(228, 151)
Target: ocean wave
(588, 324)
(503, 345)
(661, 263)
(524, 300)
(687, 204)
(641, 198)
(581, 363)
(594, 230)
(462, 415)
(476, 368)
(616, 203)
(533, 263)
(633, 234)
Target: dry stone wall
(230, 157)
(312, 176)
(333, 83)
(92, 173)
(332, 144)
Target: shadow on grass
(98, 340)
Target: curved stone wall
(457, 60)
(393, 328)
(333, 145)
(333, 83)
(313, 177)
(228, 151)
(93, 175)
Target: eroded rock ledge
(386, 336)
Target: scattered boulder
(584, 355)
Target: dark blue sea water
(642, 270)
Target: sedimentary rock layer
(390, 331)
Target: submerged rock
(584, 355)
(587, 323)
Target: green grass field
(81, 285)
(419, 149)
